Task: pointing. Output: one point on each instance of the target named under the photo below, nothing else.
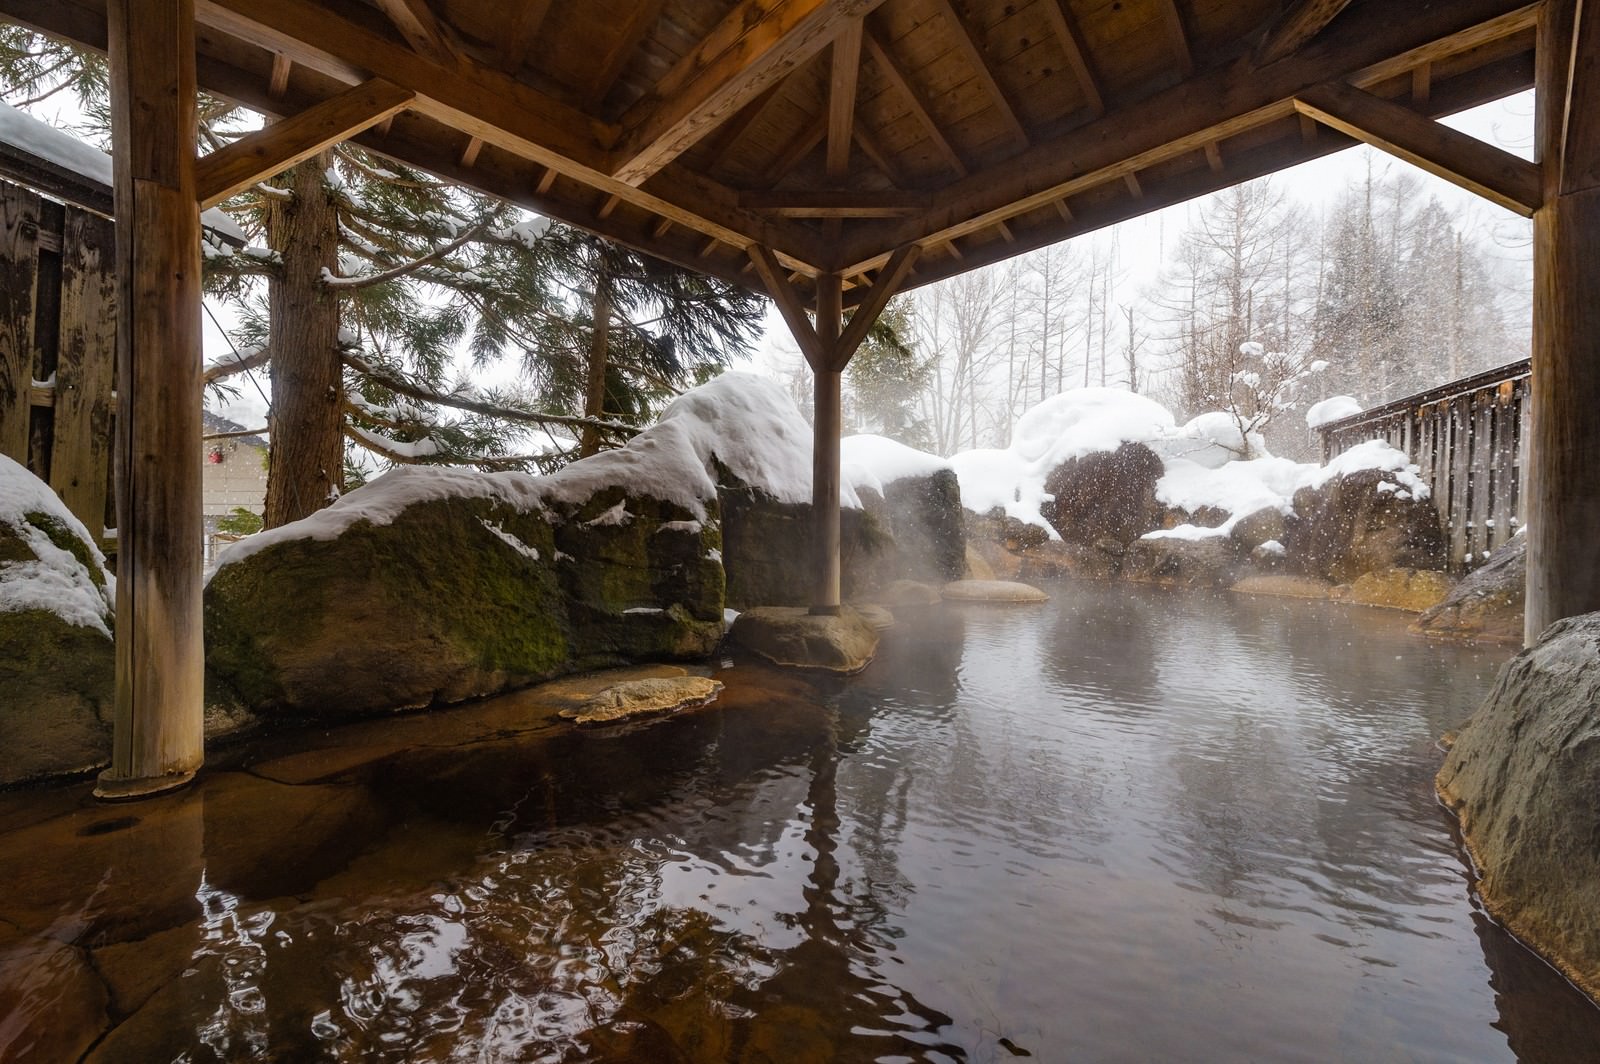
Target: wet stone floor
(1127, 825)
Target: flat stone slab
(992, 591)
(644, 698)
(794, 637)
(1285, 585)
(908, 593)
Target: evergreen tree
(887, 378)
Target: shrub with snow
(1334, 408)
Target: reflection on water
(1129, 825)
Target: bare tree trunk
(305, 469)
(599, 352)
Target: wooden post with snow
(828, 346)
(159, 734)
(1563, 488)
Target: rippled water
(1128, 825)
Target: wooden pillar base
(112, 788)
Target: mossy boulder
(1210, 561)
(1487, 605)
(769, 548)
(451, 599)
(1524, 777)
(57, 662)
(1363, 522)
(924, 536)
(1105, 495)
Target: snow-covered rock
(912, 502)
(56, 656)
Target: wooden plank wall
(58, 347)
(1470, 443)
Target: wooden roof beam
(1295, 28)
(914, 99)
(884, 287)
(834, 203)
(791, 306)
(519, 42)
(1065, 25)
(756, 45)
(1377, 42)
(275, 148)
(420, 27)
(967, 45)
(1466, 161)
(874, 151)
(845, 75)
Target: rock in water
(793, 636)
(645, 698)
(1414, 590)
(1363, 522)
(1524, 777)
(1487, 605)
(56, 657)
(992, 591)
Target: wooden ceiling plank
(641, 20)
(419, 26)
(1216, 104)
(890, 69)
(276, 147)
(868, 143)
(756, 45)
(790, 305)
(524, 34)
(1463, 160)
(1295, 28)
(1065, 26)
(798, 149)
(834, 203)
(608, 206)
(738, 125)
(884, 287)
(842, 82)
(1422, 83)
(1177, 36)
(967, 45)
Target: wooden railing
(1470, 440)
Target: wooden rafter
(418, 25)
(524, 32)
(754, 46)
(1475, 165)
(1214, 105)
(1580, 147)
(967, 45)
(1214, 157)
(1177, 35)
(1295, 28)
(868, 143)
(790, 305)
(640, 21)
(884, 287)
(800, 147)
(890, 69)
(278, 81)
(274, 148)
(469, 154)
(1065, 26)
(845, 73)
(834, 203)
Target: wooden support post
(827, 427)
(1563, 491)
(159, 736)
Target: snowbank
(739, 422)
(1209, 462)
(54, 579)
(1332, 409)
(874, 462)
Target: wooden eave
(972, 130)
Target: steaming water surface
(1128, 825)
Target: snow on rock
(874, 462)
(1212, 440)
(991, 478)
(742, 423)
(53, 579)
(1076, 423)
(1374, 454)
(1332, 409)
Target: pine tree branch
(507, 461)
(227, 368)
(356, 283)
(388, 380)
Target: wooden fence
(1470, 439)
(58, 286)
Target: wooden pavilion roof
(835, 132)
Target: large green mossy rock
(57, 662)
(1524, 777)
(922, 533)
(452, 598)
(769, 548)
(461, 596)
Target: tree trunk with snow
(305, 469)
(599, 350)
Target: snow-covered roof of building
(214, 423)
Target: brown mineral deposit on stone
(795, 637)
(645, 698)
(992, 591)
